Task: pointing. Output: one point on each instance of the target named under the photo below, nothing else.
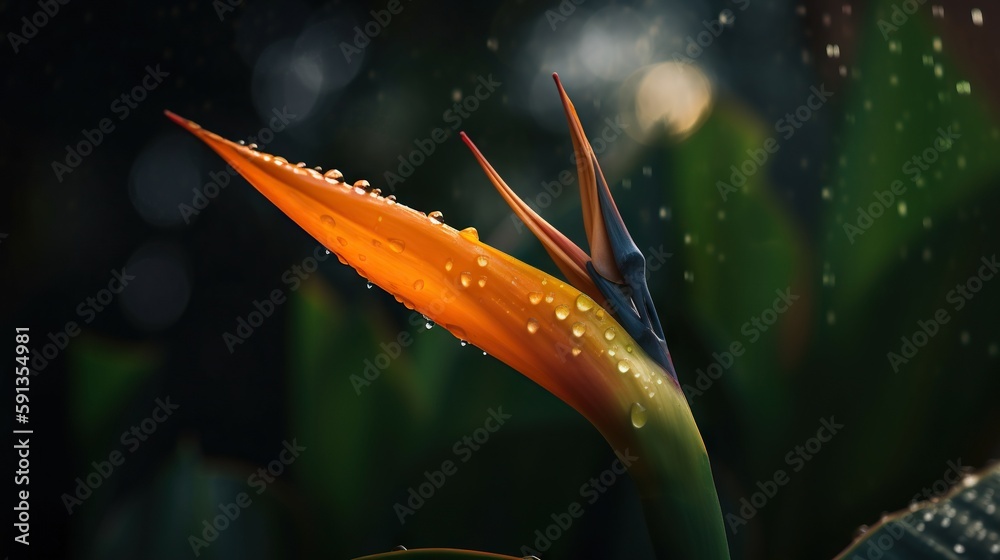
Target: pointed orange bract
(570, 259)
(601, 250)
(539, 325)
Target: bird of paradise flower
(593, 340)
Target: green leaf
(962, 524)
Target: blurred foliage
(364, 452)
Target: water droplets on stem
(638, 415)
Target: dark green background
(825, 357)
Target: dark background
(162, 336)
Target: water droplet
(611, 352)
(584, 303)
(278, 160)
(342, 241)
(328, 220)
(436, 217)
(628, 348)
(481, 282)
(362, 184)
(429, 325)
(482, 260)
(623, 366)
(300, 164)
(470, 233)
(535, 297)
(448, 265)
(376, 193)
(466, 279)
(576, 352)
(638, 414)
(418, 285)
(549, 298)
(361, 258)
(252, 146)
(579, 329)
(463, 343)
(390, 200)
(532, 326)
(397, 245)
(562, 312)
(609, 334)
(369, 285)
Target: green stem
(675, 482)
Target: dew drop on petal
(535, 297)
(369, 285)
(436, 217)
(334, 174)
(466, 279)
(362, 184)
(342, 241)
(584, 303)
(482, 260)
(448, 265)
(576, 352)
(623, 366)
(328, 220)
(532, 326)
(638, 414)
(470, 233)
(579, 329)
(418, 285)
(549, 298)
(481, 282)
(609, 334)
(562, 312)
(397, 245)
